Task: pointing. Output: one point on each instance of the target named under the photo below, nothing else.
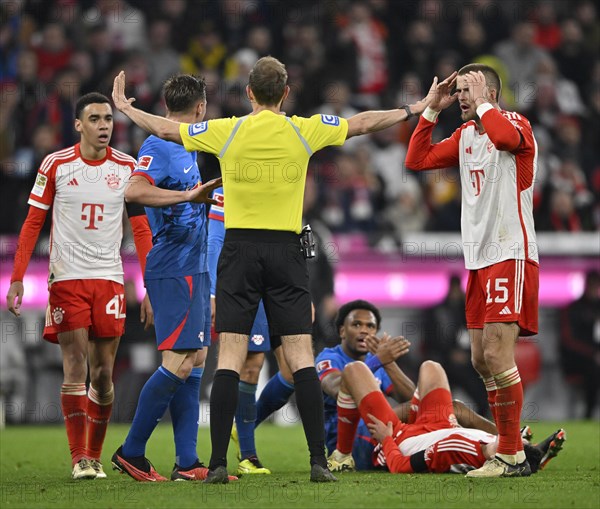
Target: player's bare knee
(250, 374)
(353, 371)
(480, 366)
(430, 370)
(101, 378)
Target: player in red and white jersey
(432, 440)
(85, 186)
(497, 154)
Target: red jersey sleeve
(507, 130)
(396, 462)
(422, 155)
(27, 239)
(42, 193)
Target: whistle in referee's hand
(307, 242)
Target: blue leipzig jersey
(334, 359)
(179, 232)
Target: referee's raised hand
(203, 193)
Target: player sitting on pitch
(434, 442)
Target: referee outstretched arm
(361, 123)
(264, 160)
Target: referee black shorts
(265, 264)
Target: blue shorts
(259, 336)
(181, 308)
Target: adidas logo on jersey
(73, 182)
(506, 311)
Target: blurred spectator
(368, 36)
(176, 13)
(58, 107)
(580, 342)
(104, 57)
(206, 50)
(126, 25)
(547, 29)
(443, 196)
(235, 100)
(161, 57)
(419, 42)
(562, 216)
(568, 138)
(82, 62)
(587, 16)
(53, 51)
(259, 40)
(522, 57)
(406, 213)
(307, 63)
(445, 340)
(491, 14)
(572, 57)
(554, 96)
(472, 42)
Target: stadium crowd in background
(342, 57)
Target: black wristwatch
(409, 113)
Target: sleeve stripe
(328, 372)
(231, 136)
(38, 204)
(216, 217)
(143, 174)
(302, 139)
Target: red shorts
(94, 304)
(435, 412)
(504, 292)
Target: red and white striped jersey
(87, 200)
(421, 442)
(497, 170)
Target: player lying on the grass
(357, 323)
(434, 442)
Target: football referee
(264, 160)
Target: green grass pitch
(35, 472)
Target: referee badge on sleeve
(199, 128)
(330, 120)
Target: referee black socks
(309, 399)
(223, 402)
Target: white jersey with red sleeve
(87, 200)
(497, 169)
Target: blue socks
(152, 405)
(275, 394)
(185, 414)
(245, 417)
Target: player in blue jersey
(259, 343)
(167, 182)
(357, 323)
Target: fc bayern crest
(113, 181)
(57, 315)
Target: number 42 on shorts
(116, 306)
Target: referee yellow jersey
(264, 160)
